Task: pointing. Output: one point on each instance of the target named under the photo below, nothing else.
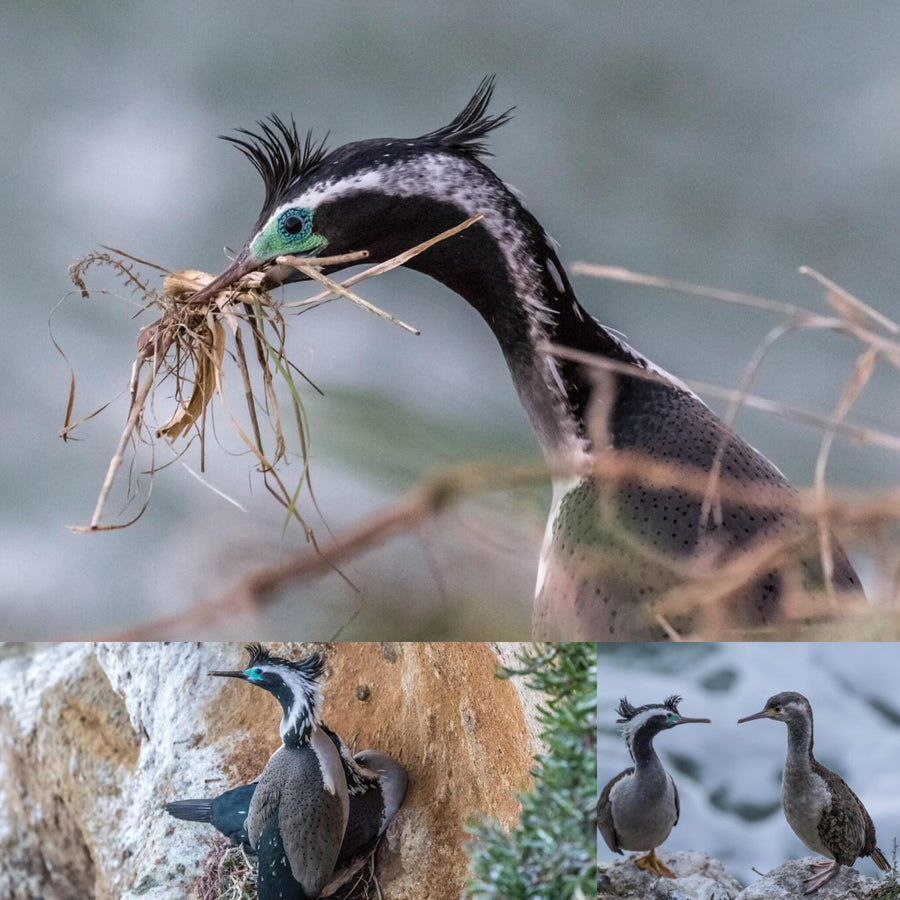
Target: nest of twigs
(193, 343)
(230, 873)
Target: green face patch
(287, 233)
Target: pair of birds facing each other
(609, 549)
(317, 812)
(639, 807)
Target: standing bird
(824, 813)
(639, 807)
(609, 550)
(376, 785)
(299, 810)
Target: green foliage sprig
(551, 853)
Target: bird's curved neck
(300, 704)
(640, 746)
(800, 742)
(507, 268)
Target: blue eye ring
(295, 224)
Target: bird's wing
(604, 813)
(847, 829)
(312, 823)
(677, 802)
(844, 826)
(264, 803)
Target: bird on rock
(818, 804)
(639, 808)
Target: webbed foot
(820, 873)
(652, 863)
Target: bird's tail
(192, 810)
(880, 861)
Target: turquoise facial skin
(290, 232)
(253, 674)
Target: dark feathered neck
(800, 741)
(507, 268)
(640, 746)
(300, 701)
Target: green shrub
(551, 853)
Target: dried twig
(188, 343)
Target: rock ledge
(702, 878)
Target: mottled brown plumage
(818, 804)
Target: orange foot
(652, 863)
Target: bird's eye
(778, 710)
(295, 223)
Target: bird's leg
(820, 873)
(651, 863)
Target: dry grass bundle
(193, 341)
(230, 873)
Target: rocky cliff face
(95, 739)
(703, 878)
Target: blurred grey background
(729, 775)
(721, 143)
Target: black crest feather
(627, 711)
(464, 134)
(672, 702)
(310, 667)
(279, 154)
(284, 159)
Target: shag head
(788, 706)
(294, 683)
(652, 718)
(364, 196)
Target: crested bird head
(788, 706)
(381, 196)
(652, 718)
(294, 683)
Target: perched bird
(639, 807)
(376, 785)
(824, 813)
(298, 812)
(610, 549)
